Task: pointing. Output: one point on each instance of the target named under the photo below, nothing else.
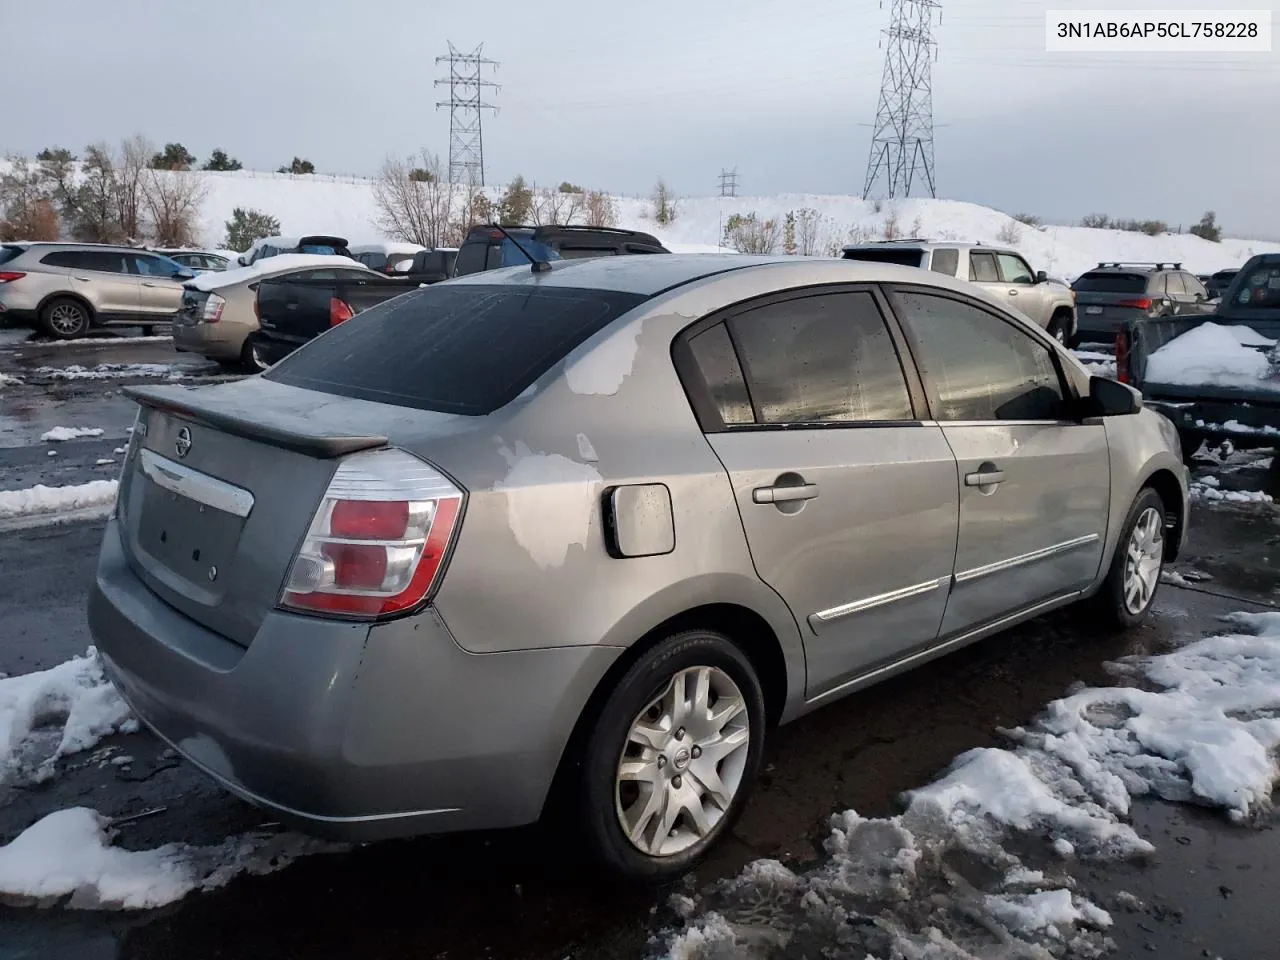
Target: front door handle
(984, 478)
(804, 491)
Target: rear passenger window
(1194, 286)
(982, 367)
(821, 359)
(1173, 283)
(718, 364)
(982, 268)
(945, 261)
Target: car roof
(649, 275)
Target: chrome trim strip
(195, 485)
(946, 645)
(965, 576)
(870, 603)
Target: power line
(902, 144)
(728, 182)
(466, 107)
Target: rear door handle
(984, 479)
(806, 491)
(149, 284)
(1013, 293)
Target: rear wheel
(1134, 577)
(65, 319)
(249, 359)
(672, 756)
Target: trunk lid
(222, 483)
(192, 306)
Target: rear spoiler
(322, 446)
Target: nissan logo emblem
(183, 444)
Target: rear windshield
(9, 253)
(907, 257)
(324, 249)
(466, 349)
(1260, 290)
(1111, 283)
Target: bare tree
(749, 234)
(415, 200)
(664, 203)
(808, 230)
(557, 206)
(891, 229)
(91, 199)
(601, 211)
(26, 203)
(1010, 233)
(473, 207)
(173, 200)
(131, 167)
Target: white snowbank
(1209, 489)
(108, 371)
(84, 342)
(41, 499)
(70, 433)
(74, 694)
(1198, 726)
(1213, 354)
(270, 266)
(6, 379)
(69, 854)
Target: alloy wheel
(66, 318)
(1144, 556)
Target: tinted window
(63, 258)
(377, 261)
(821, 359)
(1111, 283)
(1260, 290)
(581, 253)
(945, 261)
(324, 249)
(1014, 269)
(512, 255)
(465, 349)
(1174, 285)
(471, 257)
(983, 367)
(982, 268)
(1194, 286)
(9, 253)
(155, 266)
(99, 260)
(719, 367)
(907, 257)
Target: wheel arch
(1166, 486)
(66, 295)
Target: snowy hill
(344, 206)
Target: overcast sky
(614, 94)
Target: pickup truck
(1049, 303)
(1215, 375)
(293, 312)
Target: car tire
(65, 318)
(1134, 578)
(1060, 328)
(249, 358)
(648, 760)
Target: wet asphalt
(1208, 891)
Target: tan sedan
(218, 309)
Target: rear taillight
(1122, 357)
(1140, 303)
(339, 312)
(213, 309)
(10, 277)
(378, 539)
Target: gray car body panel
(533, 610)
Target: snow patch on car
(598, 369)
(585, 450)
(1214, 354)
(550, 502)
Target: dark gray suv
(1111, 294)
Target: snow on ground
(6, 379)
(69, 854)
(72, 701)
(1214, 354)
(40, 499)
(70, 433)
(96, 341)
(108, 371)
(942, 880)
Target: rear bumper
(1245, 425)
(270, 350)
(340, 729)
(216, 340)
(18, 318)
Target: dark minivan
(489, 248)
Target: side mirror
(1110, 398)
(183, 275)
(1041, 276)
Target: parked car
(198, 261)
(218, 310)
(294, 309)
(1112, 294)
(602, 525)
(490, 248)
(389, 257)
(320, 244)
(67, 289)
(1005, 273)
(1206, 405)
(1217, 284)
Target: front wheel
(1130, 588)
(673, 755)
(1060, 328)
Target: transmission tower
(729, 182)
(466, 106)
(902, 144)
